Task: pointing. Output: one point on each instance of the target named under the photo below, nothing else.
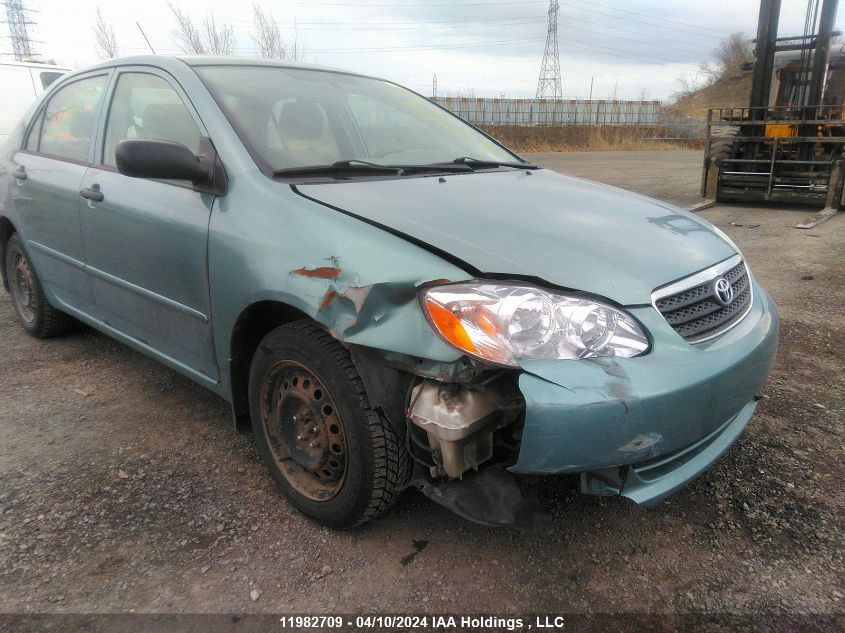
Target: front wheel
(332, 456)
(34, 312)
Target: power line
(422, 48)
(646, 15)
(636, 41)
(390, 27)
(376, 49)
(650, 36)
(451, 5)
(573, 43)
(674, 29)
(350, 23)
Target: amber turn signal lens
(449, 326)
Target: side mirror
(142, 158)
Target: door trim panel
(147, 294)
(65, 259)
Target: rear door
(48, 173)
(146, 240)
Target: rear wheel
(332, 456)
(34, 312)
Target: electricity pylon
(549, 85)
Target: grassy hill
(731, 90)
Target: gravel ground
(123, 486)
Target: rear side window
(47, 77)
(147, 107)
(69, 119)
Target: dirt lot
(123, 486)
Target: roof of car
(213, 60)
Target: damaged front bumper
(644, 427)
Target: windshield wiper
(337, 168)
(363, 167)
(477, 163)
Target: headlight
(503, 323)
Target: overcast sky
(483, 47)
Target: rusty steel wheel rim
(23, 287)
(304, 431)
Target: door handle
(92, 194)
(20, 173)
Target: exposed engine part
(490, 497)
(460, 421)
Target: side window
(47, 77)
(69, 119)
(146, 106)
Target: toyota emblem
(723, 291)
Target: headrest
(81, 123)
(301, 120)
(169, 121)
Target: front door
(146, 240)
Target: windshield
(293, 117)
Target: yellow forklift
(788, 144)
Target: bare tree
(726, 59)
(729, 55)
(687, 84)
(269, 41)
(106, 43)
(267, 36)
(187, 35)
(213, 39)
(220, 40)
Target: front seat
(301, 129)
(169, 122)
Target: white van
(22, 82)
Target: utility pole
(549, 84)
(16, 17)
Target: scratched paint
(321, 272)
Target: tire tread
(49, 322)
(392, 465)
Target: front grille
(696, 314)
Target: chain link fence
(645, 114)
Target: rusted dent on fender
(333, 271)
(321, 272)
(356, 294)
(349, 306)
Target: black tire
(375, 463)
(34, 312)
(722, 142)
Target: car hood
(568, 232)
